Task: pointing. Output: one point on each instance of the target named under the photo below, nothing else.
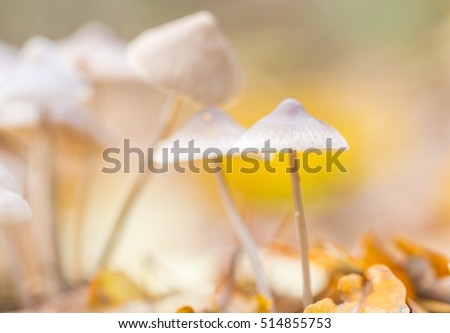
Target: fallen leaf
(351, 292)
(109, 289)
(382, 291)
(439, 262)
(263, 304)
(428, 284)
(387, 292)
(185, 309)
(374, 252)
(434, 306)
(325, 305)
(334, 258)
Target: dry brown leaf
(381, 292)
(325, 305)
(109, 289)
(335, 258)
(351, 291)
(374, 253)
(387, 292)
(439, 262)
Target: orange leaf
(335, 258)
(374, 253)
(185, 309)
(382, 292)
(263, 304)
(438, 261)
(109, 288)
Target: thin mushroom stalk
(41, 198)
(212, 127)
(46, 172)
(300, 227)
(241, 231)
(16, 271)
(119, 224)
(290, 128)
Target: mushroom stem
(43, 196)
(80, 218)
(300, 226)
(161, 127)
(88, 173)
(16, 271)
(240, 229)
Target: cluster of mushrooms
(188, 59)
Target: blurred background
(379, 72)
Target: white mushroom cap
(13, 208)
(95, 49)
(289, 126)
(209, 128)
(42, 77)
(7, 181)
(190, 57)
(18, 113)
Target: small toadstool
(213, 133)
(188, 58)
(290, 128)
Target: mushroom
(96, 51)
(42, 76)
(13, 210)
(43, 86)
(188, 58)
(213, 133)
(289, 128)
(48, 90)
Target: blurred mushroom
(289, 128)
(48, 90)
(190, 58)
(13, 210)
(97, 52)
(213, 133)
